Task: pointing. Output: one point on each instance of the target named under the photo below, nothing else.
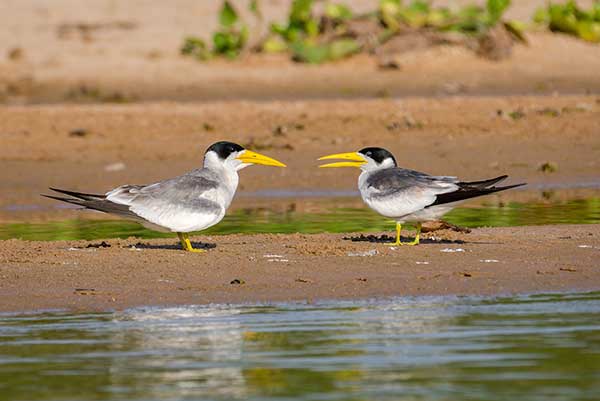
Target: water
(328, 219)
(540, 347)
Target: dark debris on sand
(386, 239)
(196, 245)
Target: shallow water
(327, 219)
(542, 347)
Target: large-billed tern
(406, 195)
(191, 202)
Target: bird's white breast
(395, 205)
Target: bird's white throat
(227, 171)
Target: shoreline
(110, 275)
(301, 302)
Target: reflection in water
(201, 349)
(544, 347)
(330, 219)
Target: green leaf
(419, 6)
(228, 16)
(312, 28)
(230, 42)
(301, 11)
(310, 52)
(571, 19)
(243, 37)
(301, 22)
(254, 7)
(337, 11)
(221, 42)
(278, 29)
(342, 48)
(517, 29)
(416, 15)
(195, 47)
(470, 19)
(389, 11)
(496, 9)
(192, 43)
(541, 16)
(439, 17)
(274, 44)
(596, 11)
(589, 30)
(562, 18)
(314, 53)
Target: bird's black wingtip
(59, 198)
(60, 191)
(78, 195)
(504, 188)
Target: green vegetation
(337, 32)
(471, 19)
(333, 220)
(571, 19)
(229, 40)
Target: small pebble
(450, 250)
(372, 252)
(114, 167)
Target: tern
(190, 202)
(406, 195)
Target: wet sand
(94, 148)
(77, 275)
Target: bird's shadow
(387, 239)
(176, 246)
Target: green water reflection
(544, 347)
(334, 220)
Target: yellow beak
(256, 158)
(357, 160)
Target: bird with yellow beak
(194, 201)
(406, 195)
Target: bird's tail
(484, 183)
(94, 202)
(468, 190)
(78, 195)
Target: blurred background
(110, 50)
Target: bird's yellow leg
(416, 240)
(398, 229)
(186, 244)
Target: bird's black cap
(377, 154)
(223, 149)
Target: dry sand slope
(103, 50)
(266, 268)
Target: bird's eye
(369, 153)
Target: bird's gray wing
(398, 181)
(398, 192)
(183, 189)
(177, 199)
